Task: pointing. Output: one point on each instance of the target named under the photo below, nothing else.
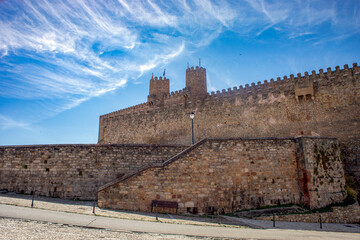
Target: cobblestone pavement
(24, 229)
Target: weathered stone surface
(319, 104)
(73, 171)
(233, 174)
(321, 171)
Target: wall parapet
(128, 110)
(283, 84)
(90, 145)
(74, 171)
(286, 83)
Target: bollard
(94, 205)
(156, 212)
(320, 222)
(32, 200)
(273, 219)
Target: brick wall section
(228, 174)
(349, 214)
(73, 171)
(268, 109)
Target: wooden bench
(167, 204)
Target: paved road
(164, 228)
(329, 227)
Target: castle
(276, 142)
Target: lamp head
(192, 115)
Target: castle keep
(281, 141)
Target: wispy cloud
(7, 122)
(70, 51)
(76, 47)
(298, 18)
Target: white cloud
(220, 11)
(298, 18)
(147, 66)
(153, 63)
(3, 51)
(76, 50)
(7, 122)
(148, 13)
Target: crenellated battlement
(159, 88)
(159, 79)
(175, 94)
(303, 83)
(129, 110)
(195, 69)
(297, 86)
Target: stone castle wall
(236, 169)
(262, 110)
(73, 171)
(319, 104)
(233, 174)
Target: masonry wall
(73, 171)
(319, 104)
(220, 175)
(321, 172)
(264, 110)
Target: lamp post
(192, 115)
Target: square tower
(159, 89)
(196, 82)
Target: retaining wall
(73, 171)
(233, 174)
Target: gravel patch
(24, 229)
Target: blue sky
(64, 63)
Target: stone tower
(159, 89)
(196, 83)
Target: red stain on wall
(304, 185)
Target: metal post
(157, 212)
(273, 219)
(32, 200)
(192, 115)
(320, 222)
(94, 205)
(192, 130)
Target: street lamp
(192, 115)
